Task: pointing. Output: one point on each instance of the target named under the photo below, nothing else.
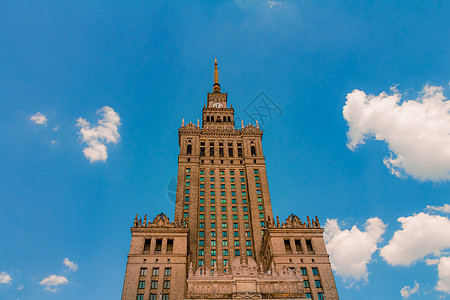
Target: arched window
(212, 118)
(253, 150)
(218, 118)
(207, 118)
(189, 149)
(229, 119)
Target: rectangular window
(303, 271)
(188, 170)
(225, 243)
(169, 247)
(222, 193)
(201, 252)
(224, 208)
(239, 152)
(235, 217)
(225, 252)
(225, 262)
(201, 225)
(158, 245)
(213, 262)
(186, 215)
(320, 296)
(287, 246)
(244, 201)
(211, 179)
(202, 178)
(213, 217)
(202, 151)
(245, 208)
(213, 243)
(309, 246)
(318, 284)
(200, 262)
(236, 243)
(233, 201)
(244, 194)
(202, 193)
(232, 179)
(186, 198)
(248, 243)
(141, 285)
(224, 217)
(315, 271)
(247, 225)
(220, 151)
(222, 172)
(201, 243)
(213, 225)
(211, 152)
(147, 244)
(202, 201)
(259, 199)
(166, 284)
(213, 234)
(140, 297)
(308, 295)
(154, 284)
(155, 272)
(233, 186)
(212, 193)
(201, 233)
(245, 217)
(186, 191)
(256, 178)
(202, 185)
(202, 172)
(260, 207)
(165, 297)
(222, 179)
(202, 208)
(235, 225)
(186, 206)
(242, 173)
(211, 172)
(213, 200)
(233, 193)
(202, 217)
(258, 192)
(212, 186)
(261, 215)
(188, 176)
(236, 234)
(224, 225)
(242, 186)
(224, 234)
(306, 283)
(242, 179)
(255, 171)
(231, 172)
(247, 233)
(167, 271)
(257, 185)
(213, 252)
(249, 252)
(298, 246)
(262, 223)
(237, 252)
(152, 296)
(222, 186)
(187, 183)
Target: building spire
(216, 86)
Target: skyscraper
(224, 242)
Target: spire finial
(216, 86)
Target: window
(224, 234)
(211, 152)
(202, 208)
(202, 200)
(235, 225)
(202, 178)
(186, 206)
(158, 245)
(230, 152)
(309, 246)
(140, 297)
(186, 191)
(242, 179)
(237, 252)
(303, 271)
(222, 172)
(236, 243)
(188, 176)
(298, 246)
(166, 284)
(243, 186)
(212, 186)
(247, 225)
(245, 217)
(211, 172)
(318, 284)
(147, 244)
(257, 184)
(202, 151)
(244, 201)
(233, 201)
(213, 200)
(213, 217)
(155, 271)
(261, 215)
(222, 179)
(260, 207)
(233, 186)
(201, 243)
(224, 208)
(202, 193)
(258, 192)
(152, 297)
(256, 178)
(224, 243)
(212, 193)
(165, 297)
(224, 217)
(188, 170)
(239, 152)
(186, 198)
(186, 215)
(169, 248)
(232, 179)
(213, 252)
(222, 186)
(211, 179)
(154, 284)
(255, 171)
(259, 199)
(247, 233)
(202, 172)
(248, 243)
(308, 295)
(262, 223)
(225, 262)
(213, 225)
(245, 208)
(200, 262)
(141, 285)
(233, 193)
(236, 234)
(225, 252)
(231, 172)
(201, 233)
(315, 271)
(167, 271)
(245, 194)
(222, 193)
(213, 243)
(249, 252)
(234, 217)
(306, 283)
(201, 252)
(202, 186)
(287, 246)
(213, 262)
(242, 173)
(188, 183)
(202, 217)
(213, 208)
(224, 225)
(320, 296)
(223, 201)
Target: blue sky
(152, 64)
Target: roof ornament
(216, 85)
(198, 123)
(242, 124)
(257, 125)
(182, 123)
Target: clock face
(217, 105)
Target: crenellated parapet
(160, 221)
(293, 222)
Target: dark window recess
(220, 144)
(202, 151)
(147, 244)
(309, 246)
(220, 151)
(253, 150)
(202, 143)
(158, 245)
(239, 152)
(212, 118)
(287, 246)
(229, 119)
(169, 245)
(207, 118)
(189, 149)
(230, 152)
(298, 246)
(211, 151)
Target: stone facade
(224, 242)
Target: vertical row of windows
(307, 285)
(154, 283)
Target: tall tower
(224, 242)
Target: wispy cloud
(5, 278)
(443, 283)
(273, 3)
(39, 118)
(416, 131)
(351, 250)
(106, 131)
(52, 282)
(443, 209)
(73, 266)
(407, 291)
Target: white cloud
(73, 266)
(20, 287)
(406, 291)
(416, 131)
(106, 131)
(445, 208)
(52, 282)
(39, 118)
(273, 3)
(420, 235)
(351, 250)
(443, 283)
(5, 278)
